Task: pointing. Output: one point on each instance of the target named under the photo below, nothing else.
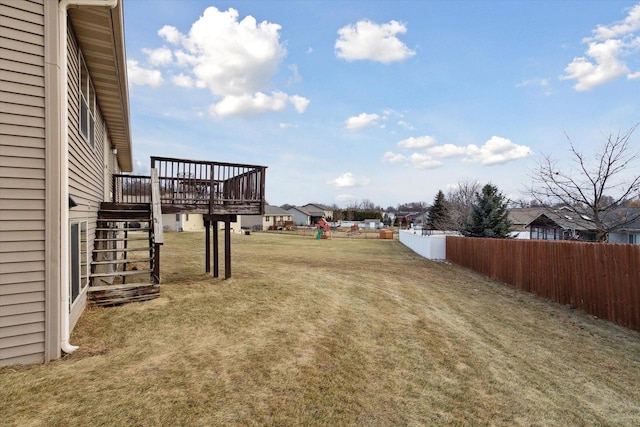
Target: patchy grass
(331, 332)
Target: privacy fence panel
(601, 279)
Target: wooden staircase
(122, 269)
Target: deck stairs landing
(122, 269)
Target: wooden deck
(192, 186)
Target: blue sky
(388, 101)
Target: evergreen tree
(439, 212)
(489, 215)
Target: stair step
(118, 287)
(123, 239)
(121, 273)
(130, 216)
(125, 220)
(123, 206)
(122, 250)
(109, 295)
(121, 261)
(123, 229)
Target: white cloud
(602, 61)
(543, 84)
(182, 80)
(446, 150)
(367, 40)
(629, 25)
(602, 66)
(160, 56)
(170, 34)
(295, 74)
(299, 103)
(424, 161)
(496, 150)
(633, 76)
(362, 121)
(286, 125)
(347, 179)
(236, 59)
(143, 76)
(391, 157)
(405, 125)
(419, 142)
(250, 105)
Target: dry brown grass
(331, 332)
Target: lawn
(331, 332)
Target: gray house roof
(299, 209)
(274, 210)
(312, 210)
(568, 220)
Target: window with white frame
(87, 105)
(79, 259)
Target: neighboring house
(183, 222)
(561, 225)
(630, 232)
(299, 216)
(520, 218)
(192, 222)
(274, 217)
(64, 130)
(421, 219)
(564, 224)
(316, 212)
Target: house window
(87, 105)
(79, 269)
(267, 218)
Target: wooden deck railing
(210, 187)
(197, 186)
(131, 188)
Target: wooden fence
(601, 279)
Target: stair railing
(156, 219)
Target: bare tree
(592, 189)
(460, 202)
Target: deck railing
(197, 186)
(210, 187)
(131, 188)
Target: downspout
(65, 298)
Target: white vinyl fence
(430, 246)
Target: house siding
(22, 182)
(86, 163)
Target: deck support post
(227, 246)
(213, 220)
(207, 245)
(156, 264)
(216, 269)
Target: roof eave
(100, 34)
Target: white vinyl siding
(22, 182)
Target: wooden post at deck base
(207, 245)
(216, 268)
(227, 247)
(213, 220)
(156, 264)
